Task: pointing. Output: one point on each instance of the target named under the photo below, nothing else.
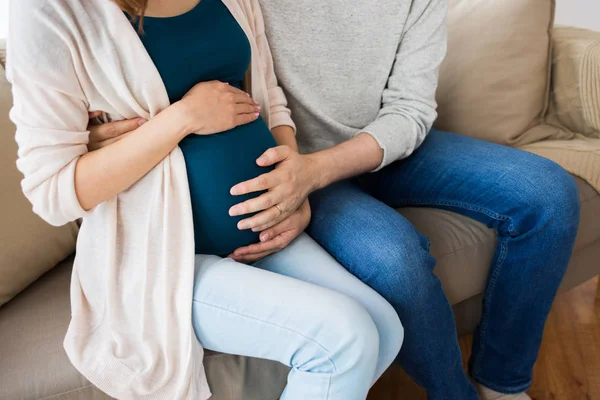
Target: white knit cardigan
(131, 291)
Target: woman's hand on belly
(214, 107)
(210, 107)
(287, 187)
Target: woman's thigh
(305, 260)
(243, 310)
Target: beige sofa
(494, 86)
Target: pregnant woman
(152, 285)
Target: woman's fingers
(246, 109)
(243, 119)
(244, 99)
(240, 96)
(235, 90)
(110, 130)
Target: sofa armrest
(575, 101)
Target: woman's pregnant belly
(215, 163)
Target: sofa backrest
(495, 81)
(28, 245)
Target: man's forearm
(348, 159)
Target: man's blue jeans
(531, 202)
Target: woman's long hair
(135, 8)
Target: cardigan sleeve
(50, 113)
(279, 112)
(408, 102)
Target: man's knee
(549, 198)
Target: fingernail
(264, 237)
(142, 121)
(233, 191)
(258, 108)
(248, 94)
(261, 160)
(256, 115)
(242, 225)
(232, 211)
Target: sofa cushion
(464, 248)
(35, 366)
(575, 103)
(32, 326)
(494, 83)
(30, 246)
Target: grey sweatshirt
(359, 66)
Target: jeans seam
(495, 271)
(488, 300)
(470, 207)
(277, 326)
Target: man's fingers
(265, 219)
(277, 243)
(262, 182)
(260, 203)
(282, 227)
(110, 130)
(98, 145)
(273, 156)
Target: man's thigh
(479, 179)
(371, 239)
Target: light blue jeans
(303, 309)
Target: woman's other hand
(101, 135)
(213, 107)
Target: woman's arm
(102, 174)
(285, 136)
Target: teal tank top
(201, 45)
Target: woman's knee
(349, 333)
(391, 332)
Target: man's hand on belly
(276, 238)
(287, 187)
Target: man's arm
(353, 157)
(406, 116)
(408, 102)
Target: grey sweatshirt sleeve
(408, 102)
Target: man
(360, 78)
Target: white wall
(581, 13)
(3, 18)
